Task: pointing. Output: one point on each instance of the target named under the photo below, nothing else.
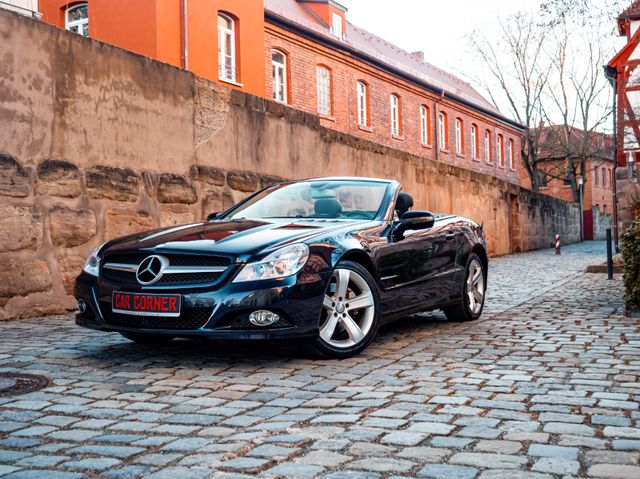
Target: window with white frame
(425, 120)
(501, 150)
(474, 142)
(77, 19)
(279, 64)
(487, 146)
(324, 90)
(336, 25)
(512, 155)
(595, 177)
(443, 135)
(363, 104)
(394, 101)
(227, 69)
(604, 177)
(459, 136)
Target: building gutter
(185, 35)
(338, 45)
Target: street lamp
(581, 186)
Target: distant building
(305, 54)
(558, 148)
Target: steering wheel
(362, 215)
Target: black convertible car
(327, 260)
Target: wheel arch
(360, 257)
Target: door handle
(450, 236)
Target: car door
(418, 271)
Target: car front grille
(183, 270)
(190, 319)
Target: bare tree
(577, 95)
(517, 67)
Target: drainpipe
(612, 76)
(185, 35)
(436, 124)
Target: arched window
(512, 155)
(77, 19)
(443, 131)
(425, 125)
(363, 103)
(459, 136)
(487, 146)
(501, 151)
(280, 83)
(227, 68)
(324, 90)
(475, 142)
(396, 126)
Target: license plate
(139, 304)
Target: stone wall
(601, 221)
(97, 142)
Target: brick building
(305, 54)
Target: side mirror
(416, 220)
(213, 216)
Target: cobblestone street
(546, 384)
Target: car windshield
(336, 199)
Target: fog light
(263, 318)
(82, 306)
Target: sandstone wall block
(71, 227)
(176, 215)
(208, 174)
(121, 222)
(243, 181)
(70, 268)
(20, 228)
(121, 184)
(58, 178)
(176, 189)
(19, 278)
(14, 179)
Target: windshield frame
(388, 198)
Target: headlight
(279, 264)
(92, 265)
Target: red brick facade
(304, 55)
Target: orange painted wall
(154, 28)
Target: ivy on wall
(631, 256)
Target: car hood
(242, 238)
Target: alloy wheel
(348, 309)
(474, 287)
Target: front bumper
(214, 313)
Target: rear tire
(147, 338)
(350, 315)
(471, 302)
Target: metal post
(581, 213)
(609, 256)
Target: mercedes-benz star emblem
(150, 269)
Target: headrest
(327, 208)
(404, 202)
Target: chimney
(418, 56)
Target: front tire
(350, 314)
(471, 304)
(146, 338)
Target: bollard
(609, 255)
(557, 244)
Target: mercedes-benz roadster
(326, 260)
